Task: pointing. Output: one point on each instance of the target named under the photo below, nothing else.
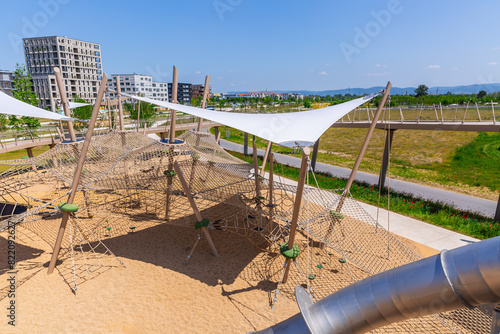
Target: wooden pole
(174, 100)
(119, 101)
(197, 213)
(465, 112)
(109, 114)
(442, 117)
(138, 113)
(497, 213)
(206, 90)
(296, 206)
(256, 170)
(266, 155)
(365, 145)
(478, 113)
(78, 173)
(64, 102)
(493, 111)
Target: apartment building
(80, 64)
(6, 82)
(197, 91)
(139, 84)
(183, 92)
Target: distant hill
(465, 89)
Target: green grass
(19, 154)
(438, 214)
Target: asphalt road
(463, 202)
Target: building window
(98, 60)
(97, 53)
(99, 71)
(96, 46)
(98, 65)
(61, 48)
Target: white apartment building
(80, 64)
(139, 84)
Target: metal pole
(365, 145)
(64, 102)
(197, 213)
(119, 101)
(497, 213)
(206, 90)
(296, 205)
(174, 100)
(245, 144)
(314, 155)
(78, 173)
(385, 158)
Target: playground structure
(122, 182)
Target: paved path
(459, 201)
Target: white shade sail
(12, 106)
(287, 129)
(73, 105)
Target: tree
(148, 112)
(222, 103)
(23, 86)
(481, 94)
(307, 103)
(421, 90)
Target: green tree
(23, 86)
(3, 122)
(222, 103)
(83, 113)
(481, 94)
(421, 90)
(148, 111)
(307, 103)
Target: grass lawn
(19, 155)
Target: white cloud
(380, 65)
(455, 68)
(492, 63)
(433, 66)
(323, 73)
(232, 84)
(198, 72)
(497, 48)
(220, 78)
(311, 70)
(377, 74)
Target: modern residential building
(6, 82)
(183, 92)
(139, 84)
(80, 64)
(197, 91)
(286, 96)
(259, 94)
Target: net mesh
(129, 184)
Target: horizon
(259, 46)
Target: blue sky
(249, 45)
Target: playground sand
(155, 293)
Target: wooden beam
(266, 155)
(296, 206)
(78, 173)
(206, 90)
(365, 145)
(197, 213)
(64, 102)
(119, 101)
(174, 100)
(497, 213)
(245, 143)
(109, 115)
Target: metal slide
(463, 277)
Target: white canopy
(12, 106)
(287, 129)
(73, 105)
